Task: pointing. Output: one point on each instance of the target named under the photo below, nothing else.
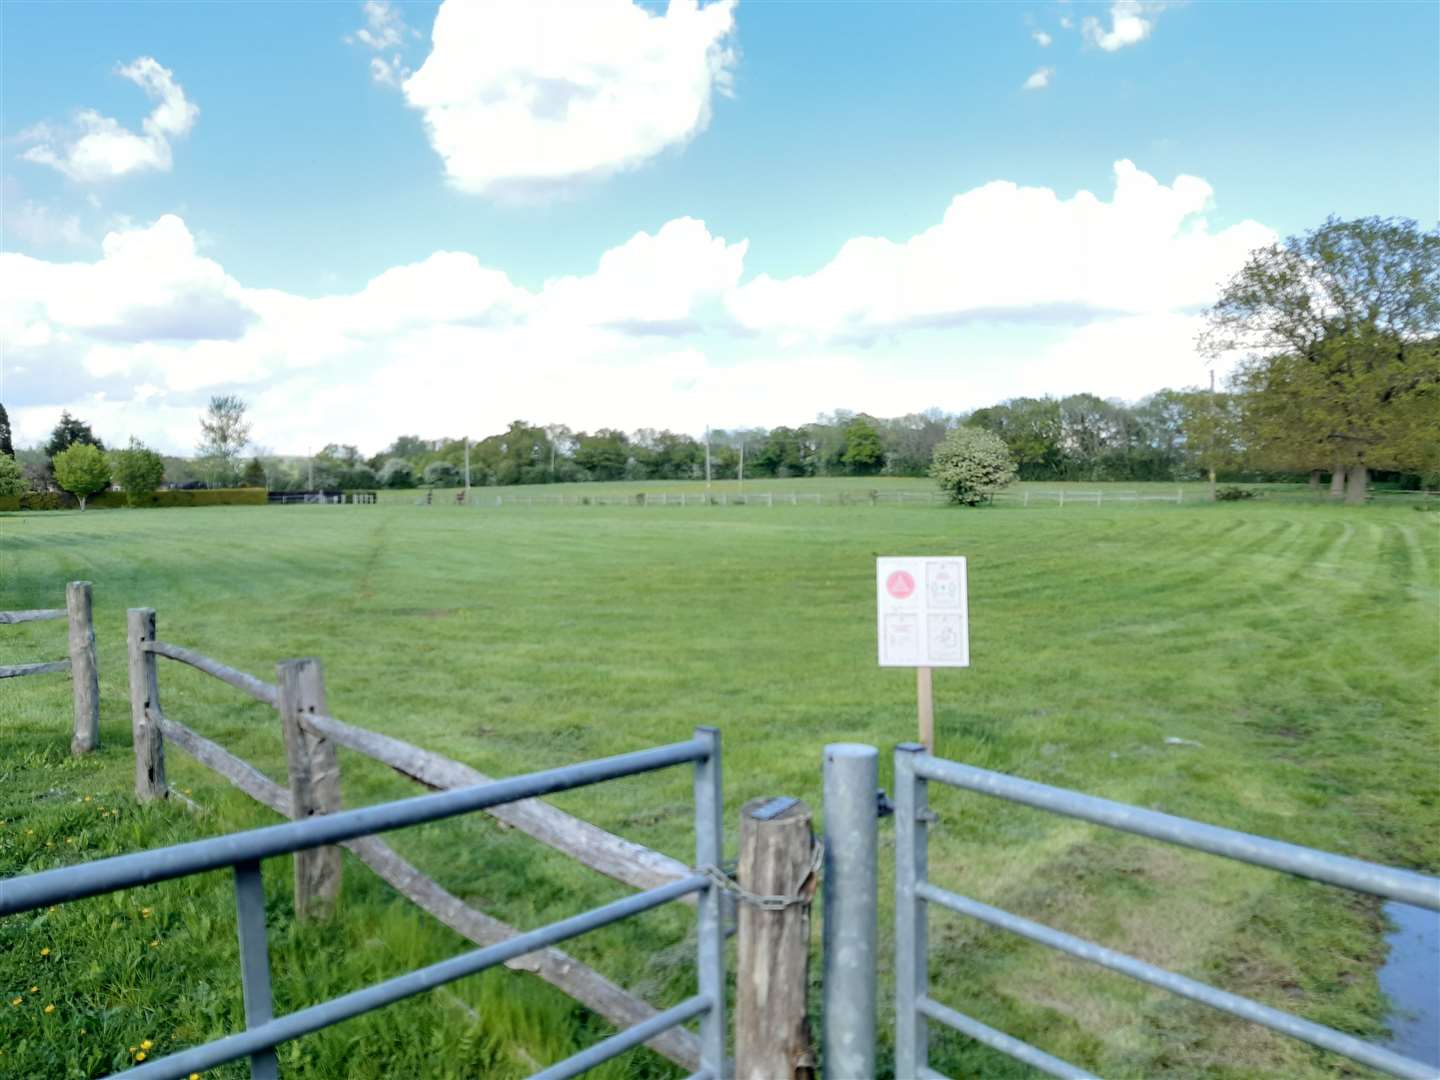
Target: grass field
(1296, 643)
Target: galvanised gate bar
(244, 852)
(914, 768)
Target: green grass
(1295, 642)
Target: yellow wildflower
(50, 1008)
(155, 944)
(16, 1001)
(45, 951)
(146, 1044)
(144, 912)
(34, 989)
(132, 1049)
(140, 1056)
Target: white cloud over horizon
(523, 98)
(666, 331)
(95, 148)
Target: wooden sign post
(922, 621)
(925, 703)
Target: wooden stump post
(314, 783)
(772, 1029)
(145, 707)
(84, 676)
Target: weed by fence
(84, 673)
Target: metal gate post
(851, 816)
(710, 851)
(912, 975)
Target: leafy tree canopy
(137, 469)
(67, 433)
(971, 464)
(82, 470)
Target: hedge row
(52, 500)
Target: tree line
(1336, 331)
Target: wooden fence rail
(311, 737)
(84, 672)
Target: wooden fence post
(84, 678)
(772, 1029)
(314, 783)
(145, 707)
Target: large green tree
(1211, 426)
(864, 452)
(224, 433)
(1031, 430)
(82, 470)
(6, 446)
(68, 432)
(12, 480)
(137, 469)
(1338, 329)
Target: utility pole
(742, 466)
(467, 470)
(707, 458)
(310, 450)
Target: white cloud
(97, 148)
(392, 72)
(385, 29)
(1004, 251)
(37, 224)
(384, 26)
(1130, 23)
(1066, 23)
(523, 97)
(1039, 79)
(1042, 39)
(1015, 290)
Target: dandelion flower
(194, 1076)
(144, 912)
(146, 1044)
(140, 1056)
(50, 1008)
(155, 944)
(87, 798)
(133, 1049)
(45, 951)
(34, 989)
(16, 1001)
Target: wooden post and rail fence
(777, 873)
(84, 673)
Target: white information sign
(922, 614)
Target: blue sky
(311, 149)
